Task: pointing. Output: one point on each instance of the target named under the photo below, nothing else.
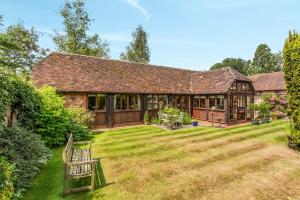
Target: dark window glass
(117, 102)
(196, 102)
(177, 101)
(220, 102)
(166, 101)
(134, 102)
(101, 102)
(202, 102)
(211, 101)
(161, 102)
(155, 101)
(137, 102)
(124, 102)
(92, 102)
(149, 102)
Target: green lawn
(245, 162)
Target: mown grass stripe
(152, 149)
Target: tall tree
(243, 66)
(138, 50)
(76, 25)
(265, 61)
(291, 68)
(19, 48)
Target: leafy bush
(20, 96)
(55, 121)
(155, 120)
(146, 117)
(6, 180)
(263, 109)
(80, 116)
(26, 151)
(187, 119)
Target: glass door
(241, 107)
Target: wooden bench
(78, 163)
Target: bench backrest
(68, 151)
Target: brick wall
(75, 99)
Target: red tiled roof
(268, 81)
(72, 72)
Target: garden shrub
(81, 116)
(26, 151)
(20, 96)
(146, 117)
(55, 121)
(291, 68)
(6, 180)
(187, 119)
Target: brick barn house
(120, 92)
(268, 83)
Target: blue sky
(192, 34)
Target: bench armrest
(82, 163)
(82, 142)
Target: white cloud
(136, 4)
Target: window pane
(101, 102)
(233, 87)
(149, 102)
(124, 102)
(92, 102)
(161, 102)
(244, 86)
(211, 101)
(137, 102)
(196, 101)
(202, 102)
(117, 102)
(155, 101)
(239, 86)
(220, 102)
(166, 101)
(132, 102)
(177, 101)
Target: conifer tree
(138, 50)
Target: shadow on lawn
(100, 180)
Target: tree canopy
(265, 61)
(19, 48)
(243, 66)
(138, 50)
(75, 38)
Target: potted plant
(146, 118)
(194, 122)
(254, 107)
(264, 112)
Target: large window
(127, 102)
(155, 102)
(212, 102)
(241, 87)
(199, 102)
(96, 102)
(202, 102)
(196, 102)
(220, 102)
